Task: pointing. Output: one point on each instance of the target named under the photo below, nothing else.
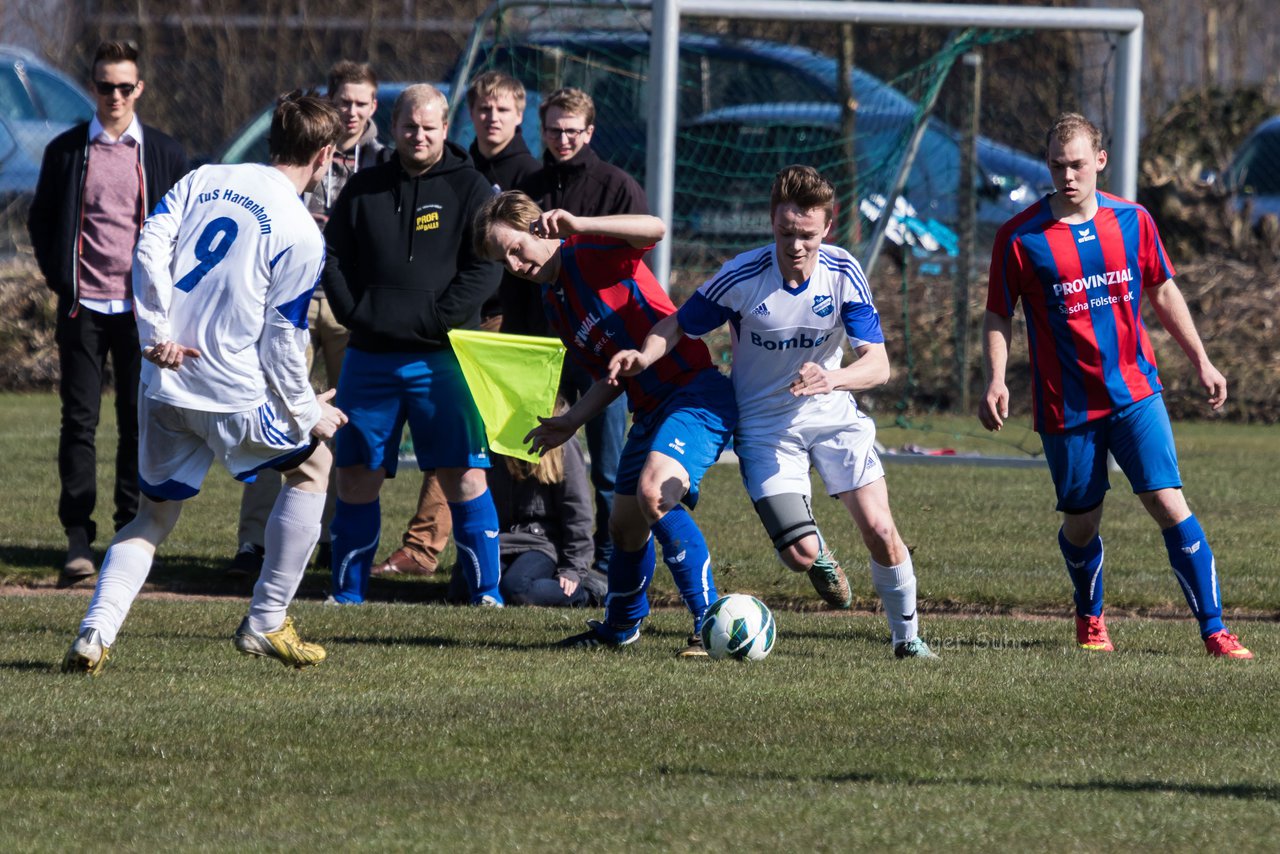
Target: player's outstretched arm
(555, 431)
(636, 229)
(993, 409)
(1175, 317)
(660, 341)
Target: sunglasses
(104, 88)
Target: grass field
(436, 728)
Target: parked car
(714, 73)
(1253, 178)
(37, 102)
(249, 145)
(732, 153)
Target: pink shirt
(111, 215)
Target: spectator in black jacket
(496, 102)
(401, 272)
(98, 182)
(575, 179)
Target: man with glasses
(98, 182)
(574, 179)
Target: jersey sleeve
(1156, 267)
(858, 313)
(1006, 269)
(153, 265)
(699, 315)
(283, 346)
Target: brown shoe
(79, 563)
(403, 562)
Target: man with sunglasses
(574, 179)
(98, 182)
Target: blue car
(1253, 178)
(37, 102)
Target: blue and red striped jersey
(605, 300)
(1081, 292)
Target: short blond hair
(1067, 126)
(512, 208)
(494, 83)
(417, 95)
(569, 100)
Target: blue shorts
(1138, 436)
(694, 425)
(380, 392)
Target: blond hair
(549, 468)
(494, 83)
(512, 208)
(569, 100)
(417, 95)
(1067, 126)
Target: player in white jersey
(222, 279)
(791, 305)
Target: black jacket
(505, 172)
(54, 218)
(584, 185)
(401, 270)
(555, 519)
(511, 166)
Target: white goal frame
(1125, 24)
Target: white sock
(897, 588)
(124, 571)
(293, 528)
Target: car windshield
(1256, 170)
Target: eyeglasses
(570, 134)
(105, 89)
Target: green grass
(435, 728)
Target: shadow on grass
(29, 666)
(1233, 790)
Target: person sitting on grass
(545, 521)
(599, 298)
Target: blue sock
(629, 577)
(354, 533)
(475, 532)
(1194, 567)
(1084, 565)
(685, 551)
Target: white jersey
(226, 264)
(776, 330)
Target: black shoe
(248, 561)
(324, 556)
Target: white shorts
(841, 446)
(176, 446)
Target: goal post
(1124, 24)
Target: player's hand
(626, 363)
(567, 584)
(994, 408)
(1215, 384)
(331, 417)
(168, 354)
(555, 223)
(550, 433)
(813, 379)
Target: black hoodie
(401, 271)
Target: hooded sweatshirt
(401, 269)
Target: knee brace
(787, 518)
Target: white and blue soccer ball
(738, 626)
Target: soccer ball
(738, 626)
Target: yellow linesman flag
(513, 380)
